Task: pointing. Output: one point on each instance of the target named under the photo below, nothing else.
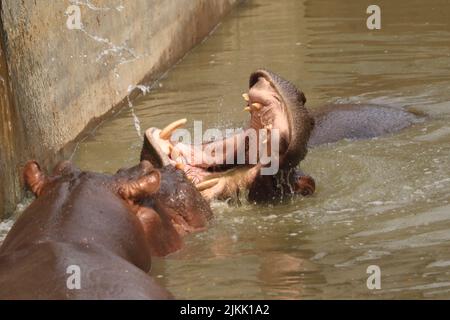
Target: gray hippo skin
(356, 121)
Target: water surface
(380, 202)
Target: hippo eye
(63, 168)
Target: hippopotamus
(108, 226)
(358, 121)
(277, 104)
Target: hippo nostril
(305, 186)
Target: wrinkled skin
(109, 226)
(275, 103)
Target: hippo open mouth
(275, 106)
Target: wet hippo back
(39, 272)
(360, 121)
(77, 220)
(80, 210)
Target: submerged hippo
(274, 104)
(108, 226)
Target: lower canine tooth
(247, 109)
(207, 184)
(179, 166)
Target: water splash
(137, 123)
(88, 4)
(124, 53)
(5, 226)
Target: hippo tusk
(246, 97)
(180, 166)
(247, 109)
(207, 184)
(257, 105)
(167, 131)
(174, 153)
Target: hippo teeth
(257, 105)
(180, 166)
(254, 107)
(167, 131)
(207, 184)
(246, 97)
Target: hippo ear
(34, 178)
(140, 188)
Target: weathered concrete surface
(10, 141)
(64, 78)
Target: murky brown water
(380, 202)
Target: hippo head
(137, 189)
(174, 210)
(275, 105)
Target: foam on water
(5, 226)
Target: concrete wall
(11, 139)
(63, 78)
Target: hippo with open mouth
(108, 226)
(275, 105)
